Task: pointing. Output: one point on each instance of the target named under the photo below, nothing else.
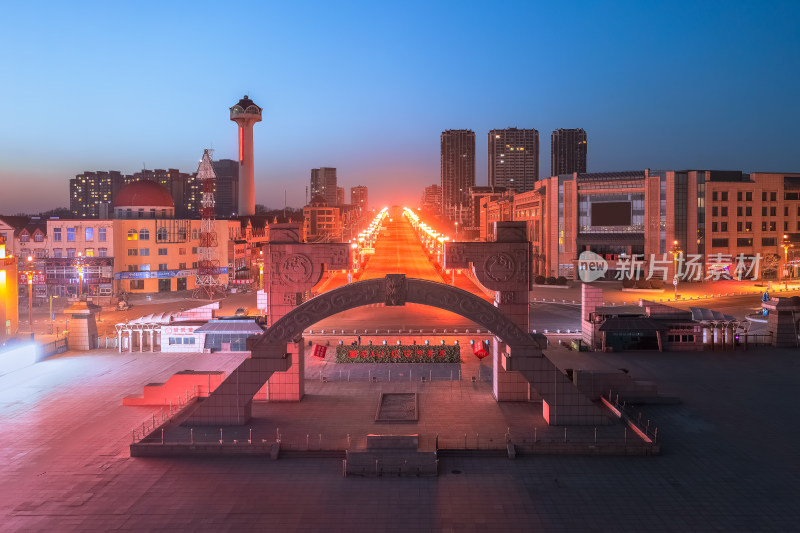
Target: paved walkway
(729, 462)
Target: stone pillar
(291, 268)
(591, 299)
(782, 321)
(152, 348)
(83, 325)
(503, 266)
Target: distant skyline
(368, 88)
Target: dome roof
(245, 102)
(143, 193)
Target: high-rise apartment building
(226, 196)
(359, 197)
(567, 151)
(514, 158)
(323, 183)
(340, 196)
(91, 193)
(457, 170)
(432, 199)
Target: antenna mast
(208, 283)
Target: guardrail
(151, 424)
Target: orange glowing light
(241, 144)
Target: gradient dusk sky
(368, 87)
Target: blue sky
(367, 87)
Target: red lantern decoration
(319, 351)
(479, 351)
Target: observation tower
(245, 114)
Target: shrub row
(404, 353)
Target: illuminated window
(89, 234)
(133, 235)
(89, 252)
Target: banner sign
(163, 274)
(319, 351)
(415, 353)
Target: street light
(80, 275)
(29, 275)
(676, 251)
(785, 274)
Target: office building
(457, 172)
(340, 196)
(653, 217)
(514, 158)
(323, 183)
(567, 151)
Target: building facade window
(744, 241)
(162, 251)
(89, 252)
(57, 234)
(162, 266)
(144, 251)
(133, 251)
(103, 252)
(133, 235)
(89, 234)
(24, 237)
(144, 235)
(38, 237)
(70, 252)
(769, 241)
(719, 243)
(70, 234)
(57, 252)
(137, 284)
(101, 234)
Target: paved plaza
(729, 458)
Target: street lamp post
(29, 275)
(785, 273)
(676, 251)
(80, 275)
(52, 316)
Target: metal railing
(151, 424)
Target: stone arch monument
(231, 402)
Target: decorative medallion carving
(296, 268)
(500, 267)
(395, 289)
